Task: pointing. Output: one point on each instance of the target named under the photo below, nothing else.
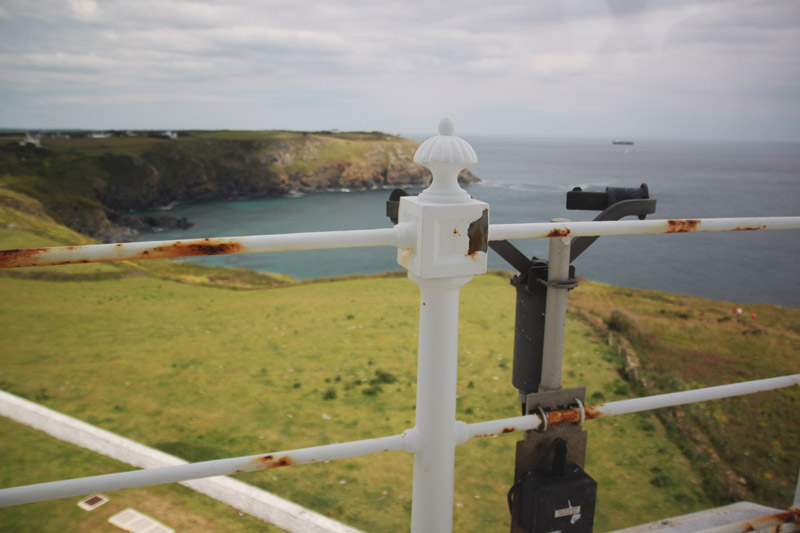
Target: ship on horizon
(620, 141)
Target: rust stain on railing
(682, 226)
(792, 516)
(219, 246)
(573, 416)
(266, 462)
(559, 232)
(750, 228)
(90, 253)
(270, 462)
(20, 257)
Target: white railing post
(447, 244)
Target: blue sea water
(527, 181)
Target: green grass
(133, 146)
(684, 342)
(206, 373)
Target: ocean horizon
(526, 180)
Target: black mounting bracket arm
(615, 203)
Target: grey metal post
(556, 309)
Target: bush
(619, 321)
(660, 478)
(372, 390)
(329, 394)
(382, 376)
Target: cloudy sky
(574, 68)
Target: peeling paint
(478, 233)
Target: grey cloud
(521, 62)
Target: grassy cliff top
(142, 141)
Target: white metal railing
(407, 441)
(442, 238)
(399, 236)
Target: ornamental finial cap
(446, 148)
(446, 126)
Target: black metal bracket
(531, 283)
(616, 203)
(393, 204)
(531, 449)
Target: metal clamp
(544, 419)
(567, 284)
(583, 412)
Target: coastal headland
(88, 181)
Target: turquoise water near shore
(527, 181)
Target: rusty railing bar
(405, 441)
(785, 521)
(539, 230)
(185, 472)
(91, 253)
(633, 405)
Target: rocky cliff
(88, 183)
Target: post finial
(445, 155)
(446, 126)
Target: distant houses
(34, 138)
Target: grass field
(747, 447)
(206, 373)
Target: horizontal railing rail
(405, 441)
(394, 237)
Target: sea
(526, 180)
